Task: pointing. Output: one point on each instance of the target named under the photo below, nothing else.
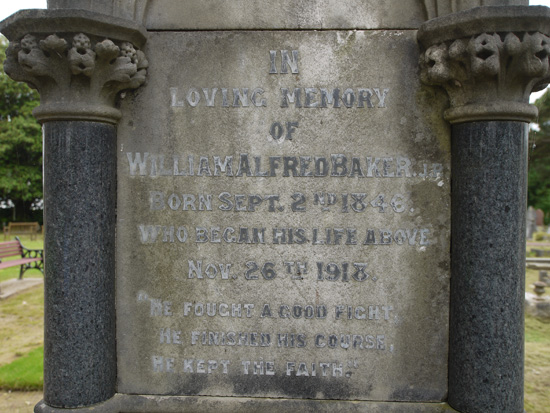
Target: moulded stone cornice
(77, 60)
(489, 60)
(47, 21)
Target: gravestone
(538, 304)
(282, 248)
(249, 204)
(540, 217)
(531, 222)
(543, 277)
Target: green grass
(13, 272)
(21, 341)
(21, 324)
(537, 365)
(25, 373)
(537, 355)
(537, 330)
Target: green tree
(539, 159)
(20, 147)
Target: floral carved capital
(488, 74)
(78, 75)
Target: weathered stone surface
(540, 217)
(489, 60)
(283, 202)
(74, 20)
(283, 14)
(175, 404)
(79, 61)
(70, 59)
(531, 220)
(396, 285)
(538, 305)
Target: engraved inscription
(244, 164)
(288, 222)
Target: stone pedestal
(488, 59)
(393, 290)
(78, 61)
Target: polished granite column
(488, 60)
(489, 183)
(79, 307)
(78, 61)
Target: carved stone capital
(78, 61)
(489, 60)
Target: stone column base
(174, 404)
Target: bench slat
(14, 263)
(9, 244)
(25, 225)
(10, 248)
(10, 252)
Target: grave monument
(540, 217)
(531, 216)
(249, 205)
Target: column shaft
(79, 242)
(489, 167)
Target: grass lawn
(537, 355)
(21, 324)
(25, 373)
(537, 365)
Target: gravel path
(19, 401)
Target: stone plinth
(266, 223)
(538, 306)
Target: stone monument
(531, 217)
(249, 205)
(540, 217)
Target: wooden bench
(21, 228)
(29, 258)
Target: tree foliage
(20, 145)
(539, 159)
